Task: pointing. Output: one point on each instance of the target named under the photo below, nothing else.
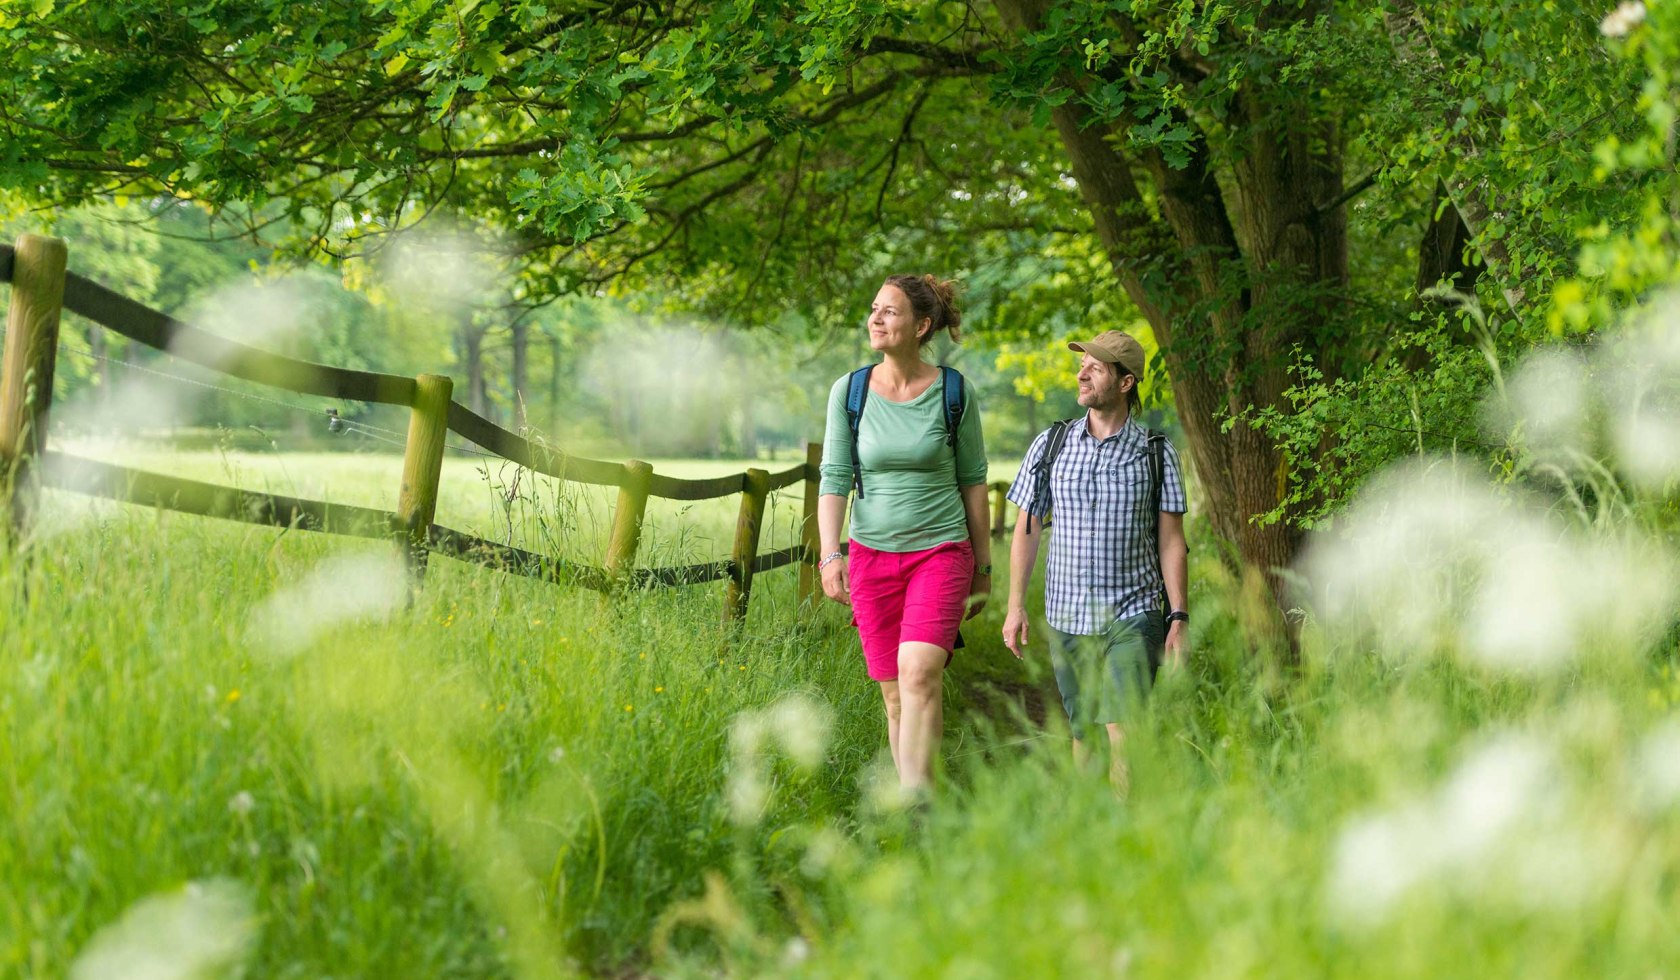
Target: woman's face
(892, 326)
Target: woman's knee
(921, 669)
(890, 698)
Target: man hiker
(1111, 496)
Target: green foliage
(1336, 434)
(1624, 261)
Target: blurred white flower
(1644, 403)
(797, 950)
(1545, 406)
(440, 274)
(355, 587)
(1656, 767)
(1430, 558)
(1627, 15)
(1380, 858)
(266, 315)
(203, 929)
(747, 792)
(796, 726)
(242, 802)
(801, 727)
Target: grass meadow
(231, 751)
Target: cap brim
(1098, 354)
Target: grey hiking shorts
(1104, 678)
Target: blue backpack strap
(857, 392)
(1041, 470)
(953, 403)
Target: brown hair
(931, 298)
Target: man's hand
(837, 583)
(1015, 631)
(1177, 650)
(978, 592)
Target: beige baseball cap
(1114, 347)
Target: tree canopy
(1273, 186)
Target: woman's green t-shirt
(910, 498)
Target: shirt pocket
(1129, 472)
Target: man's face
(1102, 385)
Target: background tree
(757, 161)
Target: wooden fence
(41, 287)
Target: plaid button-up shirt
(1104, 562)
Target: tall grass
(509, 779)
(505, 776)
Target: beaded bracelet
(828, 558)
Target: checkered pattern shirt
(1104, 562)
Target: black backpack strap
(953, 403)
(1157, 467)
(1157, 477)
(1057, 435)
(857, 392)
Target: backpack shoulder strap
(857, 393)
(1157, 468)
(953, 403)
(1157, 477)
(1055, 437)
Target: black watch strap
(1178, 615)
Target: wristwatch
(1178, 616)
(985, 569)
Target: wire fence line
(329, 416)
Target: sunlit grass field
(234, 750)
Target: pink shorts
(907, 597)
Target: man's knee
(1116, 735)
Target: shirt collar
(1130, 435)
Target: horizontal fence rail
(36, 303)
(63, 471)
(139, 322)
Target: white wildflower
(205, 928)
(1656, 767)
(1621, 21)
(1380, 858)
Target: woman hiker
(920, 541)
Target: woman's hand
(837, 584)
(979, 591)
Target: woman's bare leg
(921, 681)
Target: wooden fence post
(999, 525)
(627, 521)
(31, 351)
(810, 583)
(428, 422)
(755, 489)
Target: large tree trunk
(1228, 291)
